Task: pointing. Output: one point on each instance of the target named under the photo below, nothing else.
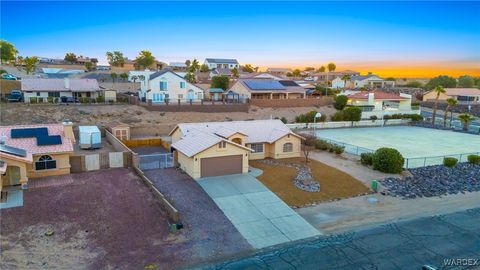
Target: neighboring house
(379, 103)
(214, 94)
(261, 75)
(369, 81)
(220, 71)
(42, 89)
(177, 66)
(213, 63)
(166, 85)
(139, 75)
(268, 89)
(323, 76)
(222, 148)
(462, 95)
(279, 71)
(34, 151)
(61, 72)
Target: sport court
(412, 142)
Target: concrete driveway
(258, 214)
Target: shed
(110, 95)
(90, 137)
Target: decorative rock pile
(304, 179)
(434, 181)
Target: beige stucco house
(462, 95)
(268, 89)
(222, 148)
(34, 151)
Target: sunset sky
(400, 39)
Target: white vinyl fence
(348, 124)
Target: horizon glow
(399, 39)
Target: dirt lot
(101, 220)
(137, 116)
(334, 184)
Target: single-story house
(34, 151)
(213, 63)
(42, 89)
(279, 71)
(268, 89)
(166, 85)
(222, 148)
(379, 103)
(220, 72)
(369, 81)
(462, 95)
(261, 75)
(323, 76)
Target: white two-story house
(214, 63)
(167, 85)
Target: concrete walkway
(258, 214)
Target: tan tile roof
(84, 85)
(462, 91)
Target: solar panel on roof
(264, 85)
(49, 140)
(17, 133)
(13, 150)
(288, 83)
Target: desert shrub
(450, 161)
(373, 117)
(84, 100)
(309, 118)
(340, 102)
(110, 101)
(338, 116)
(322, 145)
(352, 114)
(338, 149)
(388, 160)
(284, 120)
(50, 99)
(33, 100)
(100, 99)
(366, 159)
(474, 159)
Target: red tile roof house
(41, 89)
(34, 151)
(379, 103)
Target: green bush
(388, 160)
(110, 101)
(284, 120)
(84, 100)
(352, 114)
(474, 159)
(416, 117)
(322, 145)
(340, 102)
(100, 99)
(366, 159)
(309, 118)
(338, 116)
(450, 161)
(338, 149)
(33, 100)
(50, 99)
(373, 117)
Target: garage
(216, 166)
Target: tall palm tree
(345, 78)
(465, 118)
(450, 103)
(194, 65)
(439, 90)
(331, 67)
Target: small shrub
(338, 149)
(284, 120)
(387, 117)
(84, 100)
(110, 101)
(416, 117)
(450, 161)
(309, 118)
(33, 100)
(338, 116)
(373, 117)
(100, 99)
(352, 114)
(322, 145)
(474, 159)
(366, 159)
(331, 149)
(50, 99)
(388, 160)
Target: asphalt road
(404, 245)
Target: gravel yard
(212, 235)
(108, 219)
(435, 181)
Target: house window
(163, 86)
(38, 94)
(222, 144)
(53, 94)
(257, 147)
(182, 84)
(121, 134)
(288, 147)
(45, 163)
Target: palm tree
(439, 90)
(114, 76)
(194, 66)
(331, 67)
(465, 118)
(345, 78)
(124, 76)
(450, 103)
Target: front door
(190, 95)
(13, 175)
(158, 97)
